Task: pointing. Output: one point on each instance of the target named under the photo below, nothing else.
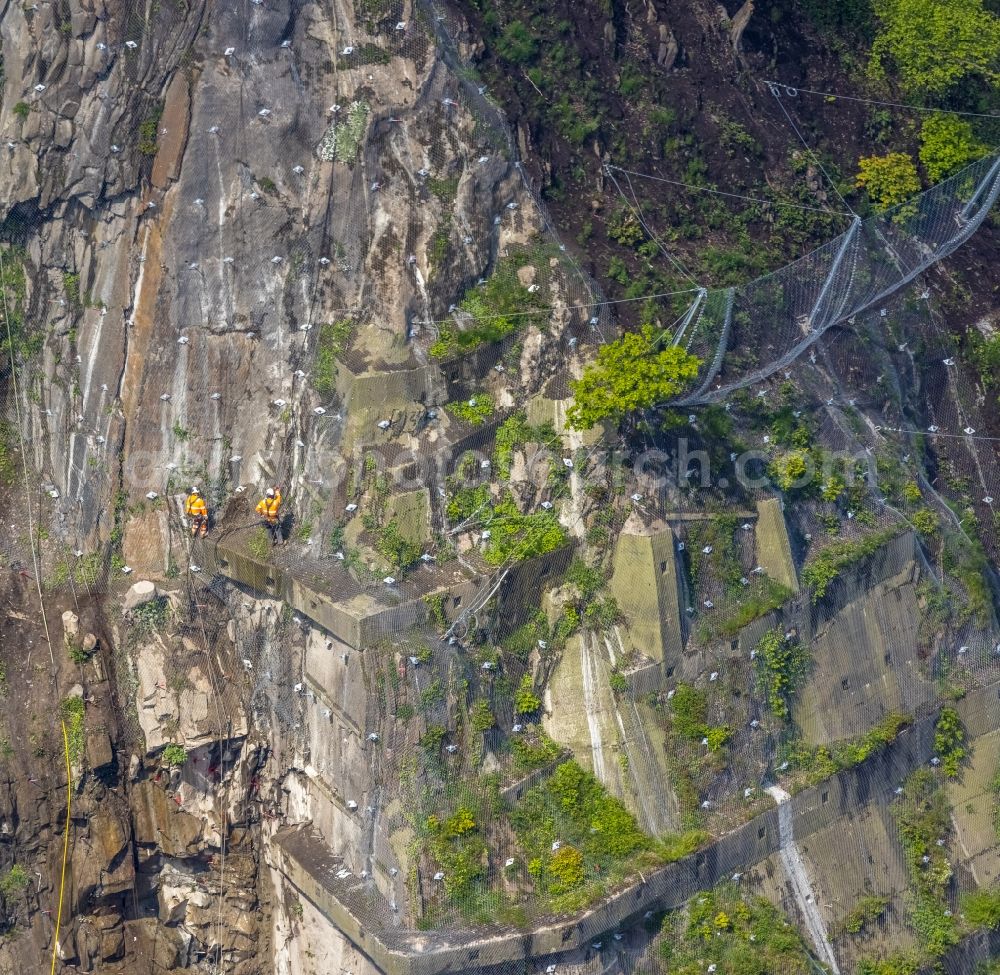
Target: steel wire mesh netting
(447, 626)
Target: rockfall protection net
(472, 594)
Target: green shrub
(689, 707)
(925, 521)
(935, 926)
(624, 227)
(476, 410)
(575, 809)
(148, 130)
(985, 354)
(149, 617)
(566, 869)
(481, 717)
(949, 741)
(399, 552)
(788, 469)
(432, 737)
(343, 139)
(22, 110)
(867, 910)
(14, 882)
(498, 307)
(741, 934)
(517, 43)
(923, 816)
(174, 755)
(515, 537)
(76, 653)
(832, 560)
(982, 908)
(533, 749)
(898, 963)
(911, 490)
(526, 701)
(602, 614)
(782, 664)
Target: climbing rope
(65, 853)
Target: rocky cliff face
(291, 243)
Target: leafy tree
(946, 145)
(934, 44)
(630, 374)
(889, 180)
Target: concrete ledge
(357, 614)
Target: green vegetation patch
(822, 761)
(918, 40)
(949, 741)
(923, 816)
(330, 346)
(513, 536)
(514, 432)
(476, 410)
(782, 665)
(866, 912)
(72, 711)
(395, 548)
(572, 811)
(738, 933)
(832, 560)
(498, 307)
(148, 131)
(15, 336)
(174, 755)
(15, 881)
(342, 139)
(149, 617)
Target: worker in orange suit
(197, 511)
(269, 508)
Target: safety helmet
(194, 490)
(270, 492)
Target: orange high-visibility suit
(197, 511)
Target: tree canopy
(934, 44)
(890, 180)
(631, 373)
(946, 145)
